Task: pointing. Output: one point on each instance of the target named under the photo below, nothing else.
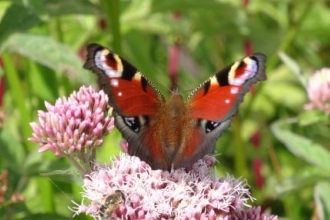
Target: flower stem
(111, 10)
(77, 165)
(240, 157)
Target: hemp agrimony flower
(156, 194)
(73, 127)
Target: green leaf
(18, 95)
(45, 216)
(43, 81)
(312, 117)
(306, 177)
(17, 19)
(12, 151)
(322, 200)
(68, 172)
(302, 147)
(36, 164)
(62, 7)
(294, 98)
(293, 66)
(173, 5)
(46, 51)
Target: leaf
(294, 98)
(35, 164)
(12, 151)
(17, 18)
(46, 51)
(45, 216)
(322, 200)
(174, 5)
(302, 147)
(293, 66)
(68, 172)
(306, 177)
(43, 81)
(311, 117)
(63, 7)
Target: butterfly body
(172, 133)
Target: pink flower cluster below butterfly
(172, 133)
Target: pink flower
(318, 89)
(253, 213)
(74, 126)
(157, 194)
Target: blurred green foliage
(42, 48)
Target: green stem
(112, 12)
(291, 34)
(287, 41)
(59, 32)
(19, 99)
(240, 157)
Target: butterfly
(172, 133)
(111, 203)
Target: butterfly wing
(218, 97)
(134, 99)
(216, 101)
(129, 91)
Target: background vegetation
(282, 150)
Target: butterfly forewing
(218, 98)
(130, 93)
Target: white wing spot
(114, 82)
(234, 90)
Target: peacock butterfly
(173, 133)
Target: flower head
(157, 194)
(75, 124)
(318, 89)
(252, 213)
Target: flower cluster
(75, 124)
(156, 194)
(318, 89)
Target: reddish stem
(174, 52)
